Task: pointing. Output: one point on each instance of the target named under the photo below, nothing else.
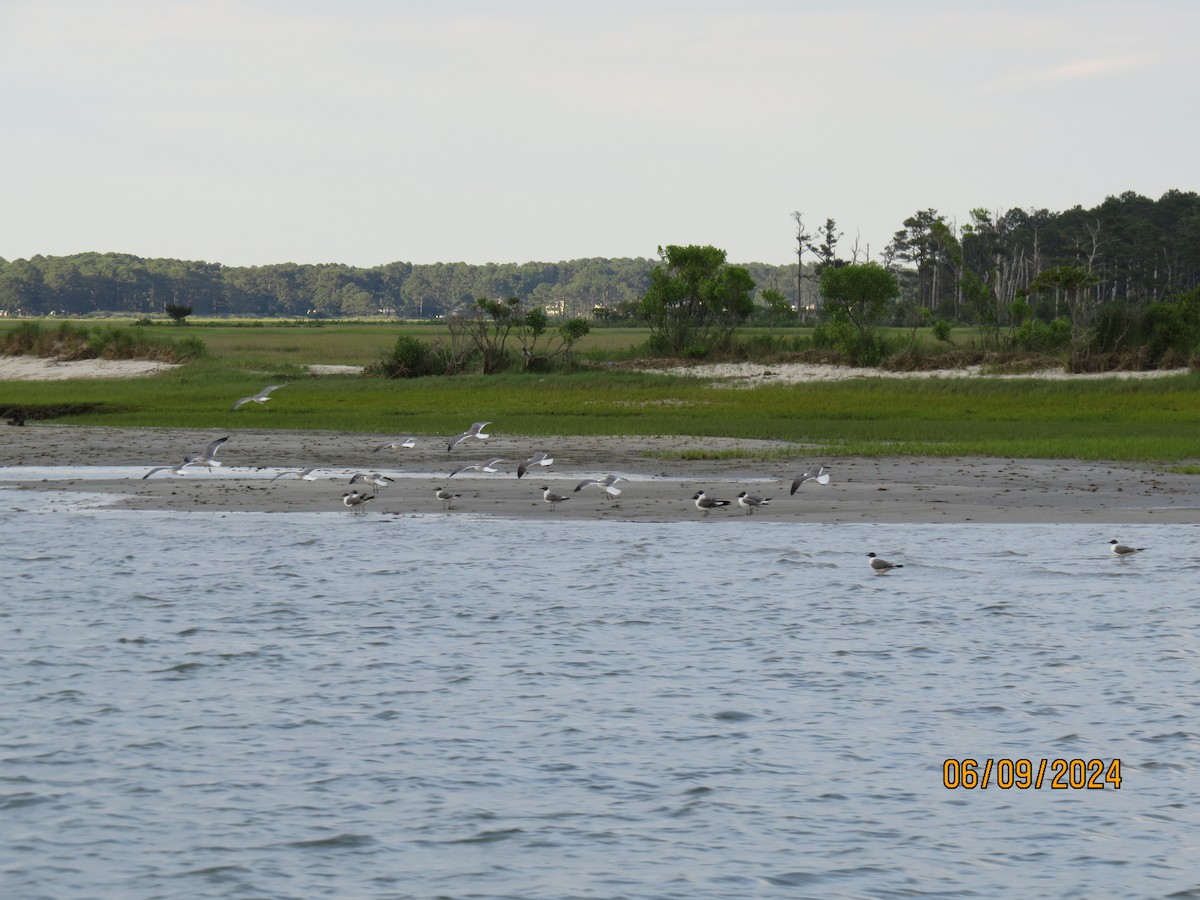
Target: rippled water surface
(330, 705)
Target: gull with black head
(706, 503)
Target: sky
(251, 132)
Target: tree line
(990, 272)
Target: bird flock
(356, 500)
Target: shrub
(410, 357)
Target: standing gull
(354, 501)
(750, 503)
(446, 496)
(537, 459)
(880, 566)
(552, 498)
(1121, 551)
(707, 503)
(261, 397)
(820, 476)
(476, 430)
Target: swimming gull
(882, 565)
(261, 397)
(476, 430)
(1121, 551)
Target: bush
(409, 358)
(1037, 336)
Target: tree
(178, 312)
(803, 239)
(776, 309)
(826, 250)
(490, 325)
(534, 325)
(1073, 283)
(695, 300)
(859, 294)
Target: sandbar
(654, 489)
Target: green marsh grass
(1153, 420)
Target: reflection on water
(217, 705)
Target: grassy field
(1154, 420)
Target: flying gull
(606, 484)
(207, 458)
(476, 430)
(820, 476)
(399, 443)
(374, 479)
(303, 475)
(537, 459)
(261, 397)
(489, 467)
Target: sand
(894, 490)
(36, 368)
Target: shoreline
(862, 490)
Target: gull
(476, 430)
(552, 498)
(750, 503)
(880, 566)
(303, 475)
(354, 501)
(445, 496)
(605, 483)
(707, 503)
(1121, 551)
(489, 466)
(261, 397)
(374, 479)
(537, 459)
(207, 458)
(820, 476)
(180, 469)
(407, 443)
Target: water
(324, 705)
